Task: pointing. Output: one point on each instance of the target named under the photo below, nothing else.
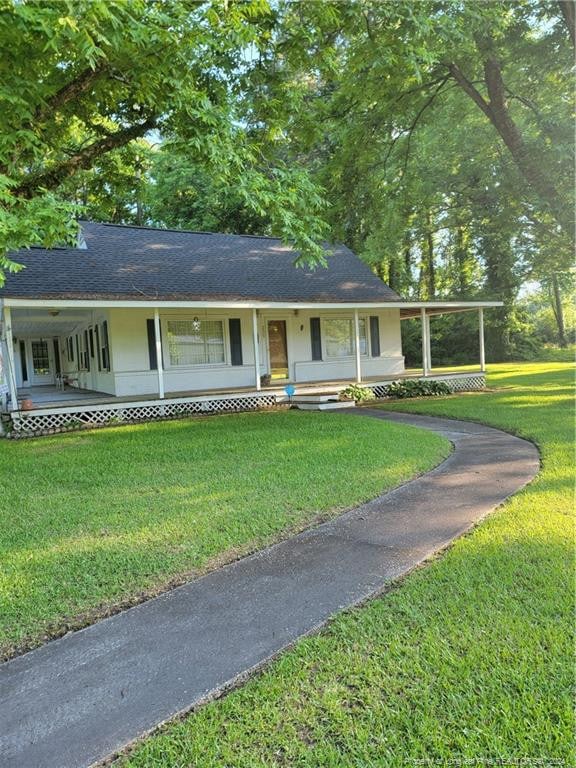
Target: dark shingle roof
(140, 263)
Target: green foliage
(82, 80)
(553, 354)
(116, 189)
(185, 194)
(538, 304)
(358, 393)
(466, 660)
(383, 99)
(434, 139)
(416, 388)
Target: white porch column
(256, 348)
(481, 335)
(159, 358)
(357, 346)
(428, 344)
(425, 328)
(9, 363)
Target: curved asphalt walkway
(76, 700)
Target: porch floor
(54, 397)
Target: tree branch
(49, 179)
(496, 109)
(468, 87)
(416, 120)
(439, 83)
(71, 90)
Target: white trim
(357, 344)
(481, 339)
(105, 303)
(10, 370)
(256, 349)
(159, 354)
(424, 326)
(428, 345)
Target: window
(339, 335)
(195, 342)
(40, 358)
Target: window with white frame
(195, 342)
(338, 335)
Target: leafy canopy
(83, 78)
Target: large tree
(83, 78)
(442, 133)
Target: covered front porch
(66, 365)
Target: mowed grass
(94, 518)
(469, 660)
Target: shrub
(415, 388)
(356, 392)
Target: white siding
(301, 366)
(131, 363)
(99, 381)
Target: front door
(277, 349)
(41, 360)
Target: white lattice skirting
(48, 421)
(457, 383)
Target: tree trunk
(558, 311)
(501, 284)
(568, 11)
(496, 109)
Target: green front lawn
(93, 519)
(468, 659)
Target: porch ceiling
(47, 322)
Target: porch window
(40, 358)
(338, 335)
(195, 342)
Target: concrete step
(317, 397)
(325, 405)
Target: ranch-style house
(137, 322)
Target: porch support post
(256, 348)
(425, 328)
(357, 346)
(428, 344)
(159, 357)
(481, 336)
(9, 365)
